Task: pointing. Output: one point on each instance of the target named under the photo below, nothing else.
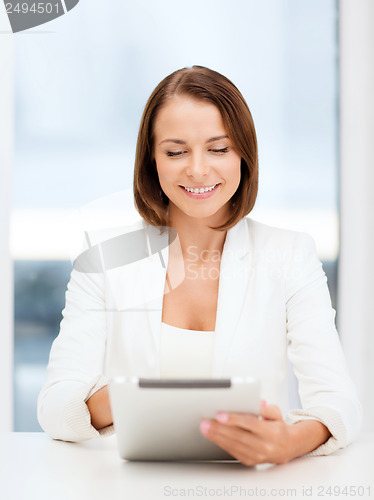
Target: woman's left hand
(250, 439)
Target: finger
(240, 444)
(235, 433)
(271, 412)
(252, 441)
(246, 421)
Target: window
(81, 85)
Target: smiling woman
(250, 296)
(207, 167)
(196, 132)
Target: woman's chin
(202, 212)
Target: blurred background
(80, 86)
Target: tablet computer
(158, 419)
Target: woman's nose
(198, 166)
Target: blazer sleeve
(326, 391)
(76, 363)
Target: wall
(356, 267)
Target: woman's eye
(223, 150)
(172, 153)
(179, 153)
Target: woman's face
(192, 150)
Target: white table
(33, 466)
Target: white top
(185, 353)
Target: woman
(236, 298)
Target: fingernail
(263, 403)
(222, 416)
(204, 426)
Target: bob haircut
(203, 84)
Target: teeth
(201, 190)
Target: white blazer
(273, 304)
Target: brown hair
(205, 84)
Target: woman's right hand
(99, 407)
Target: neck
(197, 240)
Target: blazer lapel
(236, 265)
(153, 276)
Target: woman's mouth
(200, 192)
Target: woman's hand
(267, 440)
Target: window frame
(6, 268)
